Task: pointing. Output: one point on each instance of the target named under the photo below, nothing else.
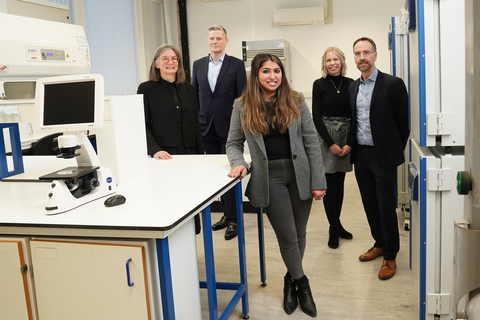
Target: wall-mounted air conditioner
(310, 16)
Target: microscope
(75, 186)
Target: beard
(364, 66)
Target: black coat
(161, 115)
(388, 119)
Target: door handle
(130, 284)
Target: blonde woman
(331, 114)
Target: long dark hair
(285, 102)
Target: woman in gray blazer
(286, 169)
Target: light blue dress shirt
(364, 99)
(214, 71)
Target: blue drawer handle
(130, 284)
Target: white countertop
(172, 191)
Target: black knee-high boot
(305, 297)
(289, 294)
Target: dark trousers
(377, 188)
(333, 200)
(288, 214)
(213, 144)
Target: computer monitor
(69, 104)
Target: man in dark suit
(380, 132)
(218, 80)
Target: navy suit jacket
(388, 119)
(218, 104)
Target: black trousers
(213, 144)
(288, 214)
(377, 188)
(333, 200)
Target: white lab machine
(436, 147)
(32, 49)
(35, 48)
(73, 105)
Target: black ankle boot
(305, 297)
(344, 234)
(333, 238)
(289, 295)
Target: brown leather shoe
(371, 254)
(388, 269)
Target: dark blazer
(218, 104)
(388, 119)
(161, 116)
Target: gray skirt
(338, 128)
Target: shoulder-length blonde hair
(154, 74)
(340, 56)
(285, 102)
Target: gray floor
(343, 287)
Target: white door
(88, 280)
(15, 293)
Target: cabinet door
(82, 280)
(15, 292)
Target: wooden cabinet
(77, 279)
(16, 293)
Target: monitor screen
(69, 103)
(66, 103)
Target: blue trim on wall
(411, 211)
(408, 84)
(394, 47)
(422, 74)
(423, 236)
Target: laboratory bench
(133, 261)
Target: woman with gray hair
(331, 114)
(171, 109)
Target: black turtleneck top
(327, 102)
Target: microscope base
(61, 199)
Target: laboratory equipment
(33, 49)
(73, 105)
(278, 47)
(69, 103)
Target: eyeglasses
(166, 59)
(365, 54)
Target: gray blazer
(306, 156)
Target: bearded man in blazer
(218, 80)
(380, 129)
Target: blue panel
(411, 220)
(16, 146)
(423, 236)
(393, 48)
(241, 246)
(209, 264)
(408, 84)
(412, 22)
(166, 287)
(422, 74)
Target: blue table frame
(211, 285)
(166, 286)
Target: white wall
(252, 20)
